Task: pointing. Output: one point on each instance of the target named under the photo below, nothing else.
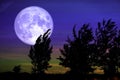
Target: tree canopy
(86, 49)
(75, 53)
(40, 53)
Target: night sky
(65, 14)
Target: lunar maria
(31, 22)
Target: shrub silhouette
(40, 53)
(17, 69)
(75, 54)
(107, 45)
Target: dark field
(56, 72)
(7, 63)
(27, 76)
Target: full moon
(31, 22)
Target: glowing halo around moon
(31, 22)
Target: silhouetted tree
(115, 52)
(17, 69)
(75, 54)
(105, 43)
(40, 53)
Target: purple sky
(64, 13)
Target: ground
(8, 63)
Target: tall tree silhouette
(115, 54)
(75, 54)
(105, 41)
(40, 53)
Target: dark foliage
(17, 69)
(107, 46)
(75, 54)
(40, 53)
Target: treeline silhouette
(40, 54)
(84, 50)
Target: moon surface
(31, 22)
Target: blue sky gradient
(65, 14)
